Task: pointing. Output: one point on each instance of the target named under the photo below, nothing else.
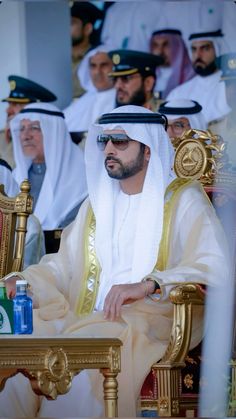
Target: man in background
(182, 115)
(205, 87)
(134, 75)
(22, 92)
(177, 67)
(99, 97)
(83, 18)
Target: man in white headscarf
(128, 171)
(99, 97)
(45, 154)
(182, 114)
(205, 87)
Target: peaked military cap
(86, 12)
(25, 91)
(127, 62)
(227, 64)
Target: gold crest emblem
(12, 85)
(232, 64)
(116, 59)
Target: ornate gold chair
(13, 220)
(171, 388)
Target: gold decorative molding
(199, 155)
(14, 214)
(51, 363)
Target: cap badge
(116, 59)
(232, 64)
(12, 85)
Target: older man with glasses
(182, 115)
(128, 159)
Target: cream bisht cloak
(196, 254)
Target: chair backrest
(202, 155)
(14, 213)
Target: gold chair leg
(168, 391)
(110, 386)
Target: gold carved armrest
(183, 297)
(168, 370)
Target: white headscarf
(64, 184)
(11, 188)
(196, 120)
(83, 69)
(103, 191)
(218, 42)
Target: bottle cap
(21, 282)
(2, 284)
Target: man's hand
(124, 294)
(10, 284)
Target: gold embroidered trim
(92, 269)
(171, 195)
(90, 285)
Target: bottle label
(6, 317)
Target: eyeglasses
(178, 126)
(120, 141)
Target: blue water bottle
(23, 309)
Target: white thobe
(197, 254)
(209, 91)
(126, 210)
(82, 112)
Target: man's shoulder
(184, 189)
(177, 91)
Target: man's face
(160, 45)
(176, 127)
(130, 90)
(13, 108)
(31, 139)
(125, 163)
(77, 30)
(99, 66)
(203, 57)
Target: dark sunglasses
(120, 141)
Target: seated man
(182, 114)
(205, 87)
(177, 68)
(34, 240)
(22, 92)
(83, 18)
(45, 154)
(134, 75)
(122, 224)
(99, 96)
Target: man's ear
(88, 29)
(147, 153)
(149, 84)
